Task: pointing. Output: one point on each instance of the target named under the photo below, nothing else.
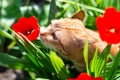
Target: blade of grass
(116, 3)
(86, 56)
(112, 70)
(101, 61)
(84, 6)
(5, 34)
(94, 61)
(52, 12)
(14, 62)
(59, 66)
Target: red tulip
(29, 27)
(109, 26)
(85, 76)
(98, 78)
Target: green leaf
(117, 75)
(93, 62)
(52, 12)
(84, 6)
(89, 2)
(116, 3)
(86, 56)
(11, 45)
(14, 62)
(41, 79)
(101, 61)
(113, 69)
(59, 66)
(5, 34)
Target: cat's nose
(43, 32)
(43, 36)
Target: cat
(68, 36)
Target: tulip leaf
(52, 12)
(84, 6)
(101, 61)
(41, 79)
(86, 55)
(113, 69)
(93, 62)
(116, 3)
(5, 34)
(13, 62)
(59, 66)
(117, 75)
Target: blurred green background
(45, 11)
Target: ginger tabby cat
(67, 36)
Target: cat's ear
(79, 15)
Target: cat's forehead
(66, 23)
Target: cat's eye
(53, 35)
